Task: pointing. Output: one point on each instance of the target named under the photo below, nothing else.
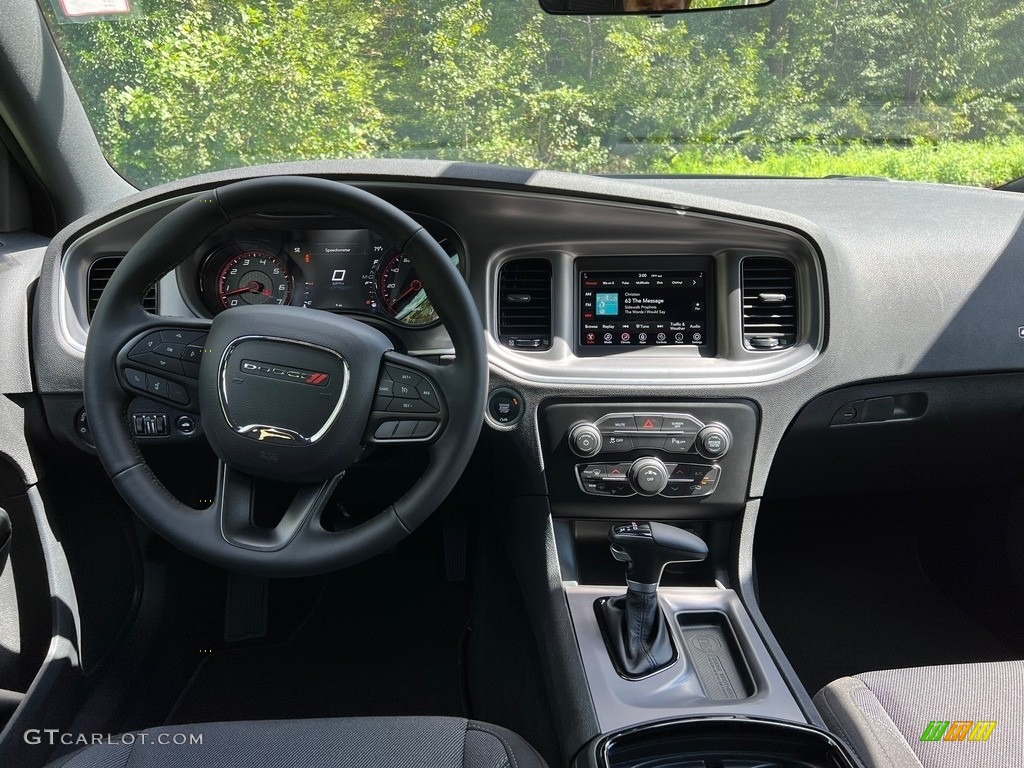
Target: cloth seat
(358, 742)
(931, 717)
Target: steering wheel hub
(267, 394)
(285, 392)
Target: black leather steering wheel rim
(119, 316)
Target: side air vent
(769, 304)
(99, 275)
(524, 304)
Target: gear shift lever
(635, 629)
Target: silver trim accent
(65, 301)
(644, 589)
(222, 391)
(659, 367)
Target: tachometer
(253, 277)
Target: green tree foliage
(195, 85)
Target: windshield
(927, 90)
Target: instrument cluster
(341, 268)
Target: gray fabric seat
(931, 717)
(358, 742)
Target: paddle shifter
(635, 629)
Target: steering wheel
(285, 394)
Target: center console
(677, 669)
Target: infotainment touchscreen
(643, 308)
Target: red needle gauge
(414, 286)
(253, 277)
(252, 287)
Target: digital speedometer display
(356, 270)
(338, 269)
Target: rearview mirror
(642, 7)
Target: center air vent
(769, 304)
(524, 304)
(99, 275)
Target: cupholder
(722, 742)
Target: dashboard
(882, 281)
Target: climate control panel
(649, 476)
(665, 459)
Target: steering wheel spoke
(162, 362)
(410, 406)
(235, 504)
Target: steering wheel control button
(148, 344)
(714, 441)
(156, 386)
(401, 391)
(400, 405)
(160, 363)
(135, 378)
(402, 376)
(406, 392)
(177, 393)
(182, 337)
(164, 349)
(585, 440)
(428, 394)
(405, 429)
(192, 354)
(425, 429)
(185, 424)
(505, 406)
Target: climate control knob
(714, 441)
(648, 476)
(585, 440)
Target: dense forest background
(913, 89)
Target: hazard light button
(648, 423)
